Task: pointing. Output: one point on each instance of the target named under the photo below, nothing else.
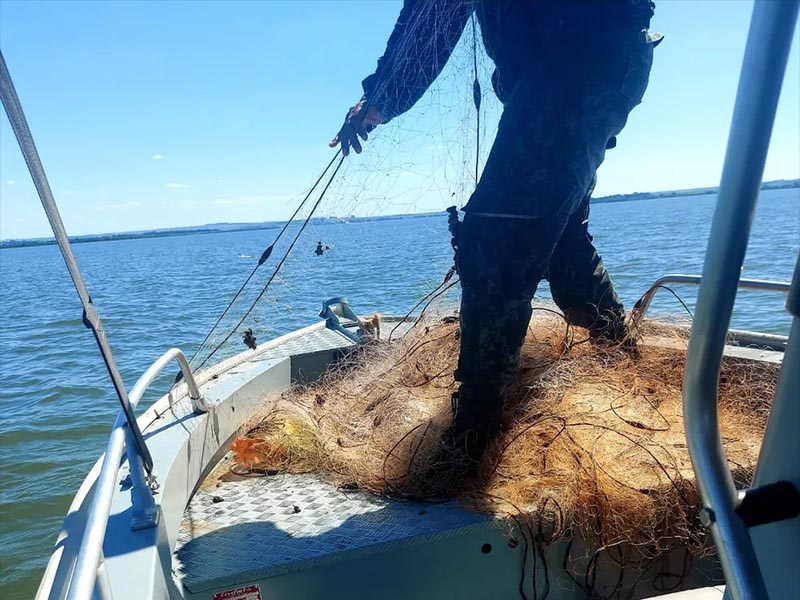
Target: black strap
(91, 318)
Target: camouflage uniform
(568, 74)
(528, 217)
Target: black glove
(359, 121)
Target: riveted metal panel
(263, 527)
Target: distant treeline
(781, 184)
(224, 227)
(110, 237)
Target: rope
(91, 318)
(279, 265)
(264, 256)
(476, 98)
(446, 279)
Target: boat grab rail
(154, 370)
(769, 42)
(126, 432)
(89, 574)
(91, 316)
(642, 305)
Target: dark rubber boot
(476, 421)
(612, 331)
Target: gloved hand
(359, 121)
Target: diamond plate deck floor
(254, 528)
(262, 527)
(311, 341)
(250, 529)
(327, 339)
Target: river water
(57, 405)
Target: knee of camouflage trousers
(500, 263)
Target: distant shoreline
(781, 184)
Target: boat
(151, 521)
(289, 536)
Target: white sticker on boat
(251, 592)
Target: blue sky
(151, 114)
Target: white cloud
(158, 157)
(178, 186)
(11, 182)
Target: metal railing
(91, 316)
(89, 574)
(89, 571)
(641, 307)
(768, 44)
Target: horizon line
(177, 230)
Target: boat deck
(258, 528)
(240, 531)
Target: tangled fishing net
(421, 162)
(592, 440)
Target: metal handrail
(768, 44)
(91, 316)
(154, 370)
(87, 573)
(643, 304)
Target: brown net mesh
(592, 440)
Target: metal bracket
(199, 404)
(143, 488)
(334, 311)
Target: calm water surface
(57, 405)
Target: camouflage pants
(528, 217)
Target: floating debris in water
(249, 339)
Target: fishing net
(592, 440)
(421, 162)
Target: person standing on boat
(568, 74)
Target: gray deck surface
(263, 527)
(326, 339)
(313, 341)
(254, 531)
